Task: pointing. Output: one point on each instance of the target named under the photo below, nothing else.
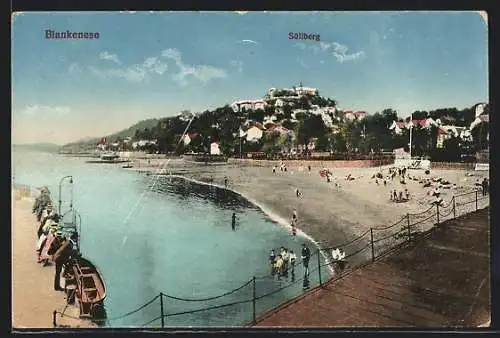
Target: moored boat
(88, 286)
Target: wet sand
(33, 295)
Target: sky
(155, 64)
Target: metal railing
(369, 246)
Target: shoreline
(273, 216)
(329, 216)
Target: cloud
(349, 57)
(134, 73)
(302, 63)
(249, 41)
(74, 68)
(204, 73)
(238, 64)
(111, 57)
(44, 111)
(339, 51)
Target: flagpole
(411, 127)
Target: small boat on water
(87, 284)
(109, 157)
(127, 166)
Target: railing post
(162, 314)
(373, 245)
(476, 199)
(437, 213)
(253, 302)
(319, 268)
(54, 315)
(409, 226)
(454, 208)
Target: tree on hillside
(304, 103)
(256, 115)
(288, 124)
(287, 111)
(312, 126)
(272, 143)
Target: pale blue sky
(155, 64)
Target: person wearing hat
(61, 257)
(50, 226)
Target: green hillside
(91, 142)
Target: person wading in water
(233, 222)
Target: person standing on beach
(294, 228)
(484, 185)
(225, 182)
(274, 169)
(306, 255)
(233, 222)
(272, 260)
(297, 192)
(293, 257)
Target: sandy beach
(33, 295)
(331, 214)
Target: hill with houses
(299, 119)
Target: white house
(255, 132)
(188, 138)
(259, 104)
(248, 104)
(360, 115)
(349, 115)
(306, 91)
(214, 148)
(279, 103)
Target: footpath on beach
(33, 296)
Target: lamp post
(60, 185)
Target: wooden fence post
(437, 213)
(253, 302)
(162, 314)
(454, 208)
(319, 268)
(54, 314)
(409, 226)
(373, 246)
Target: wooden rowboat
(89, 287)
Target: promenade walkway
(443, 280)
(33, 295)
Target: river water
(170, 236)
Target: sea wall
(314, 164)
(452, 165)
